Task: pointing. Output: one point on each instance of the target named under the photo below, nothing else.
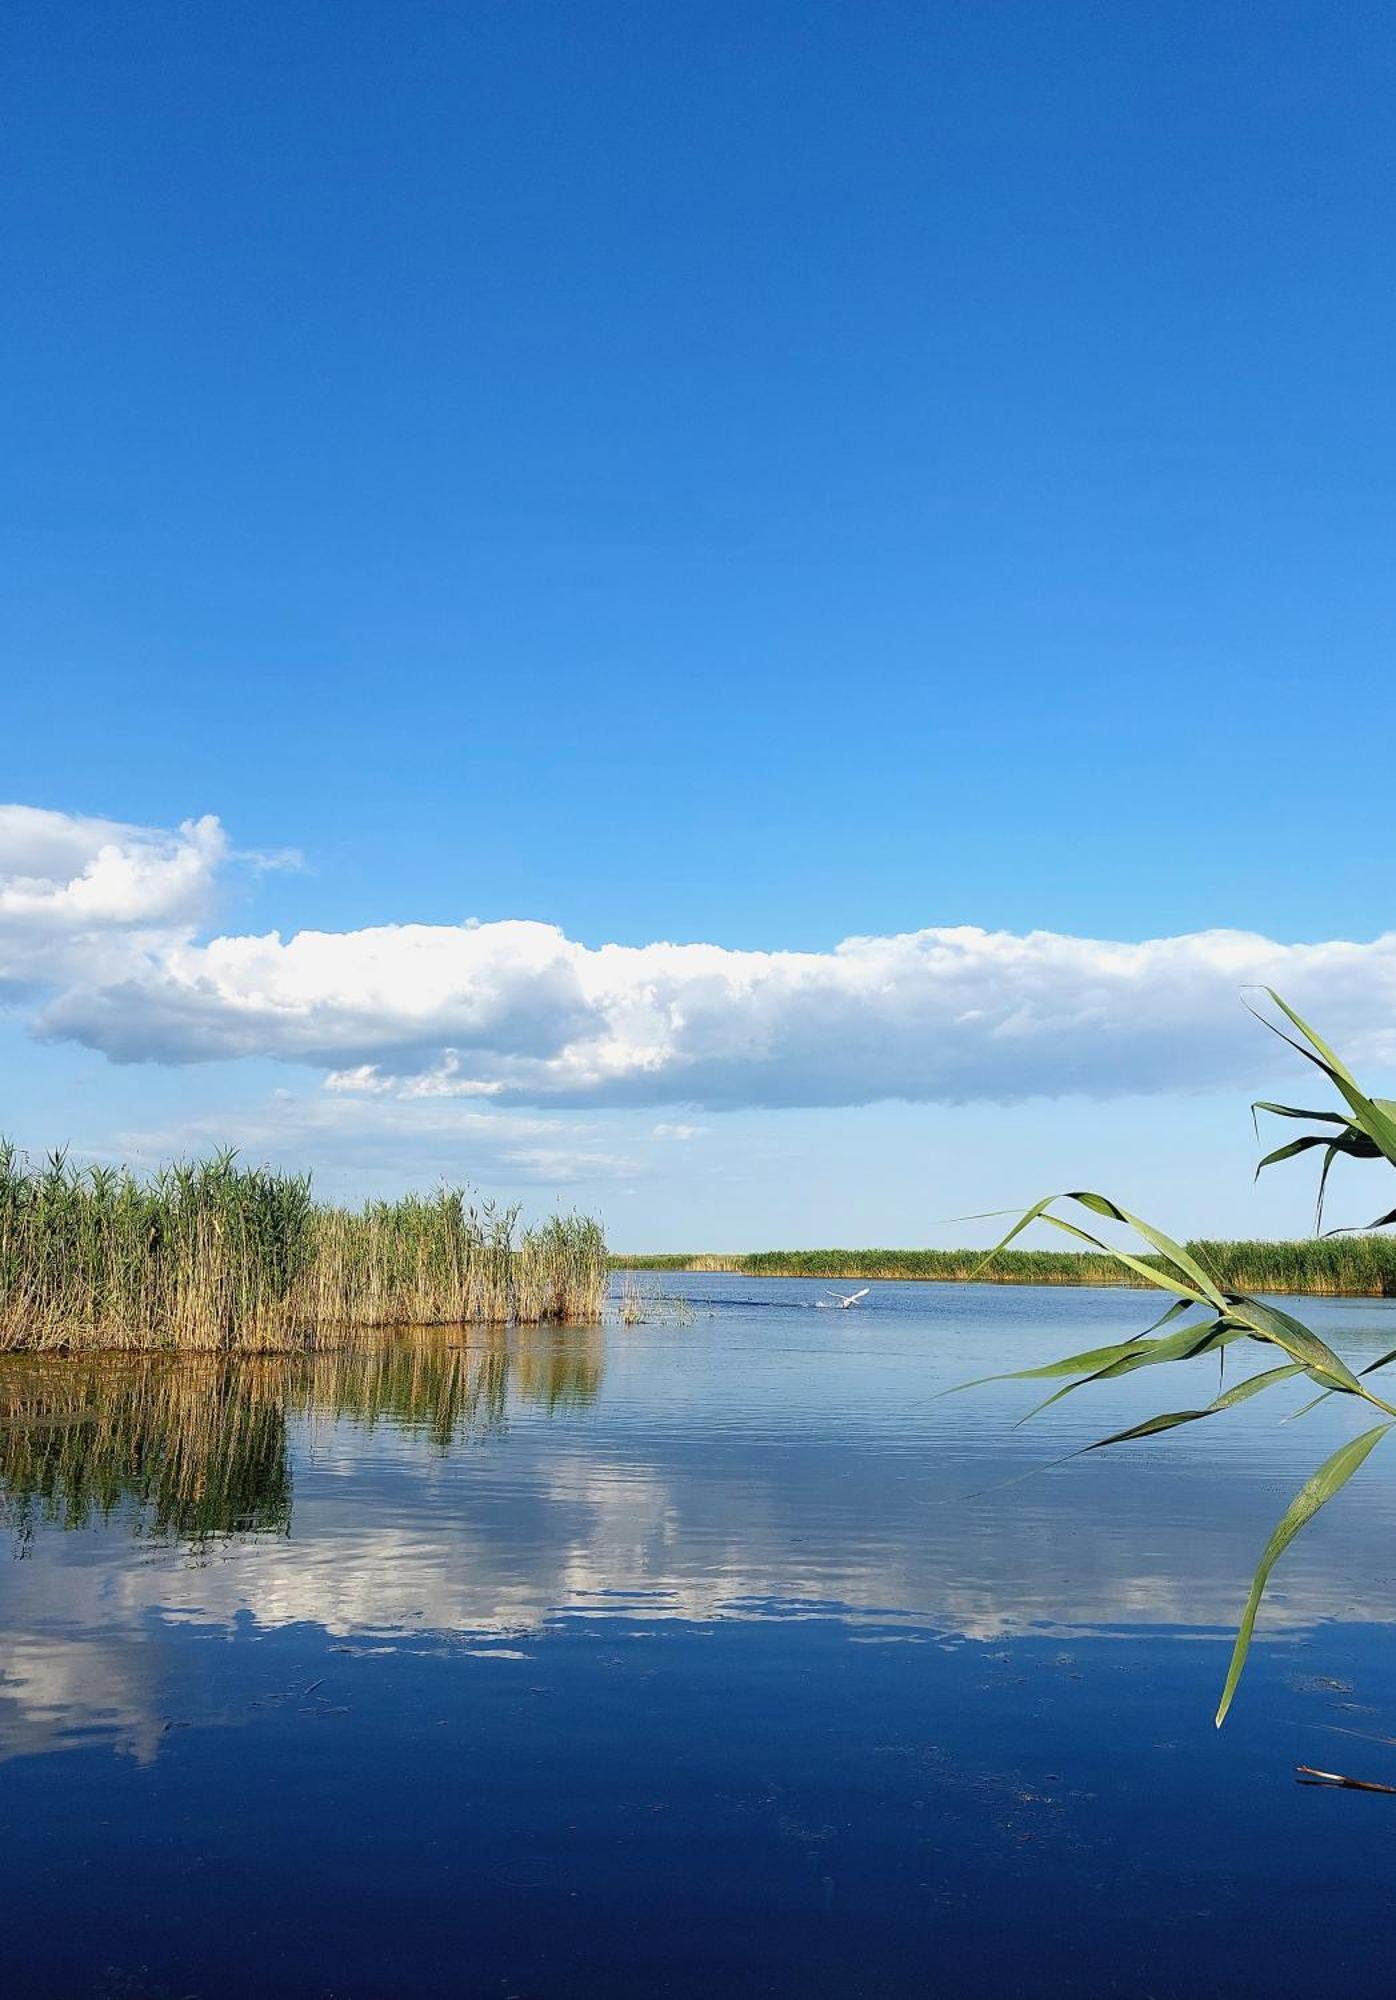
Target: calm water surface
(677, 1661)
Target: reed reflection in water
(195, 1448)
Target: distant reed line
(1358, 1266)
(219, 1257)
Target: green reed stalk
(1357, 1266)
(215, 1256)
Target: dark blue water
(673, 1660)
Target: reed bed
(215, 1256)
(1356, 1266)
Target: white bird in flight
(843, 1300)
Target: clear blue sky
(749, 474)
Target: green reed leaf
(1297, 1111)
(1168, 1313)
(1269, 1323)
(1241, 1393)
(1181, 1259)
(1198, 1338)
(1294, 1148)
(1151, 1273)
(1382, 1361)
(1331, 1476)
(1376, 1118)
(1070, 1364)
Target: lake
(687, 1660)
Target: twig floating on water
(1309, 1776)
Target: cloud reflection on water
(479, 1496)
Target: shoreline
(1358, 1266)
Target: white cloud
(67, 873)
(376, 1131)
(76, 893)
(518, 1013)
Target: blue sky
(734, 475)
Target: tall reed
(216, 1256)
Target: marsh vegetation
(1356, 1266)
(643, 1302)
(217, 1256)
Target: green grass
(1347, 1266)
(218, 1257)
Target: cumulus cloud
(76, 891)
(67, 873)
(518, 1013)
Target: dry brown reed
(217, 1257)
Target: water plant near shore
(1355, 1266)
(1225, 1317)
(214, 1255)
(640, 1304)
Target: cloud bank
(100, 937)
(72, 888)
